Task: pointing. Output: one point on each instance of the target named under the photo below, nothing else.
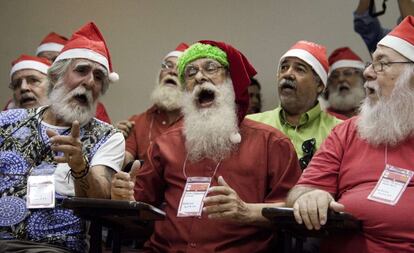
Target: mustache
(205, 87)
(372, 86)
(287, 83)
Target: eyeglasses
(308, 148)
(379, 66)
(208, 68)
(168, 65)
(348, 73)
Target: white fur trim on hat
(41, 67)
(235, 138)
(173, 54)
(347, 64)
(309, 59)
(403, 47)
(113, 77)
(85, 54)
(55, 47)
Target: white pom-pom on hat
(235, 138)
(113, 77)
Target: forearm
(96, 184)
(406, 8)
(363, 6)
(255, 213)
(295, 193)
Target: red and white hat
(52, 42)
(311, 53)
(30, 62)
(88, 43)
(344, 57)
(401, 38)
(177, 52)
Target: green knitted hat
(197, 51)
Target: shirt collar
(305, 118)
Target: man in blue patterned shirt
(56, 151)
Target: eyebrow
(88, 64)
(380, 57)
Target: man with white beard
(241, 165)
(345, 91)
(141, 129)
(365, 166)
(52, 152)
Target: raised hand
(71, 147)
(122, 185)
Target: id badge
(391, 185)
(41, 191)
(191, 203)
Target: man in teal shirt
(302, 76)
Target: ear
(321, 87)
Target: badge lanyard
(392, 183)
(195, 189)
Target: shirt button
(164, 122)
(193, 244)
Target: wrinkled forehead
(27, 72)
(384, 53)
(88, 63)
(202, 61)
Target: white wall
(139, 33)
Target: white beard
(64, 109)
(389, 120)
(167, 97)
(207, 130)
(348, 101)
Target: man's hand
(125, 127)
(311, 208)
(224, 203)
(122, 185)
(70, 146)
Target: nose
(200, 77)
(24, 86)
(369, 73)
(89, 80)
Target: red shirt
(148, 126)
(349, 168)
(101, 113)
(337, 114)
(262, 170)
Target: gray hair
(58, 70)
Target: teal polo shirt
(315, 123)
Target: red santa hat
(311, 53)
(52, 42)
(240, 72)
(30, 62)
(401, 38)
(344, 57)
(88, 43)
(178, 51)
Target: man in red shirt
(365, 166)
(141, 129)
(241, 165)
